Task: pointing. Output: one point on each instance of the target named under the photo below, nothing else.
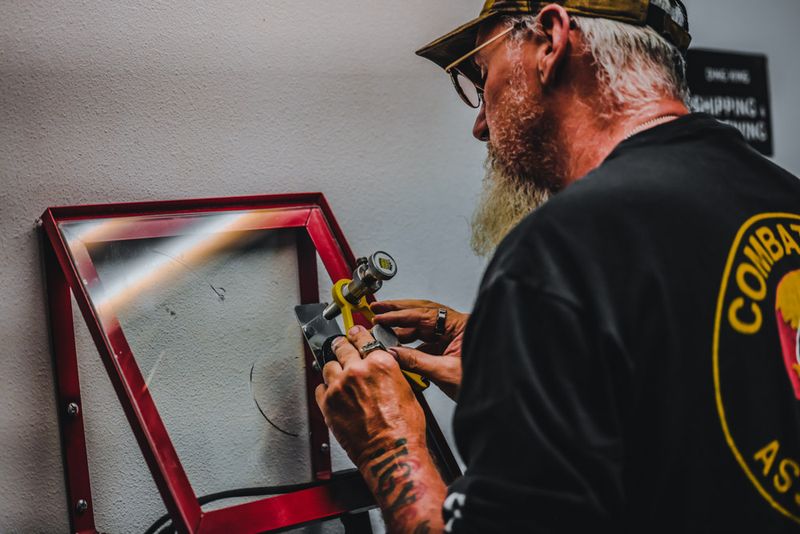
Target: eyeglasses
(470, 91)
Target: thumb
(418, 361)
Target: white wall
(123, 101)
(765, 27)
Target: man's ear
(556, 28)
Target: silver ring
(369, 347)
(441, 317)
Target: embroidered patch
(756, 359)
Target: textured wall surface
(121, 101)
(764, 28)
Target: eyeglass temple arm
(455, 63)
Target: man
(632, 361)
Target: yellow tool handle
(417, 381)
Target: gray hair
(634, 64)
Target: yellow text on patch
(787, 470)
(766, 245)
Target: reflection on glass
(208, 313)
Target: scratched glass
(209, 317)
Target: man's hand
(369, 406)
(367, 402)
(439, 357)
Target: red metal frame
(319, 232)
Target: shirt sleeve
(539, 418)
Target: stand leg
(309, 293)
(68, 395)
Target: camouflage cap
(667, 17)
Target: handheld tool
(349, 296)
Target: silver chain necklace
(649, 124)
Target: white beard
(524, 166)
(505, 201)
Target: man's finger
(382, 306)
(345, 352)
(319, 394)
(359, 336)
(420, 362)
(330, 370)
(406, 335)
(431, 348)
(416, 317)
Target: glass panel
(208, 314)
(125, 498)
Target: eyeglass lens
(467, 90)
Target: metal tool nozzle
(331, 311)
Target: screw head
(81, 506)
(73, 409)
(324, 447)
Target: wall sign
(734, 88)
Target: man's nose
(481, 129)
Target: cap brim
(448, 48)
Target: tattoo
(405, 498)
(383, 463)
(393, 471)
(423, 528)
(386, 483)
(380, 452)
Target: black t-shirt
(632, 360)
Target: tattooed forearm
(407, 487)
(393, 469)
